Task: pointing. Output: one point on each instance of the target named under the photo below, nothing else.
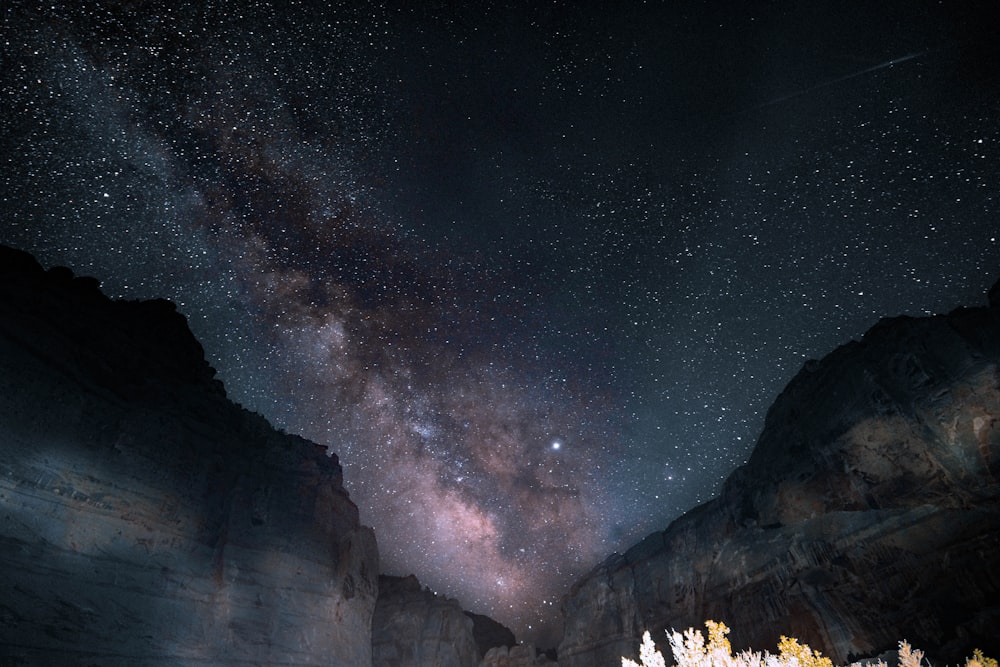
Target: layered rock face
(144, 518)
(413, 627)
(868, 513)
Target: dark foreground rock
(144, 518)
(490, 634)
(868, 513)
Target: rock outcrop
(414, 627)
(869, 512)
(145, 518)
(490, 634)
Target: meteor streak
(852, 75)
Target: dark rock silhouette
(489, 633)
(144, 518)
(869, 512)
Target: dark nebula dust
(533, 271)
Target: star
(429, 238)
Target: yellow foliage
(980, 660)
(789, 648)
(717, 637)
(690, 650)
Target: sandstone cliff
(144, 518)
(490, 634)
(414, 627)
(868, 513)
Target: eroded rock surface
(489, 633)
(414, 627)
(520, 655)
(868, 513)
(144, 518)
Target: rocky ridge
(413, 626)
(869, 512)
(490, 634)
(145, 518)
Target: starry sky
(534, 270)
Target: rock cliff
(490, 634)
(144, 518)
(414, 627)
(869, 512)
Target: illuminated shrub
(691, 650)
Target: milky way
(534, 273)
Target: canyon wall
(414, 627)
(869, 512)
(146, 519)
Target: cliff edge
(145, 518)
(868, 513)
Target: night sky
(534, 272)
